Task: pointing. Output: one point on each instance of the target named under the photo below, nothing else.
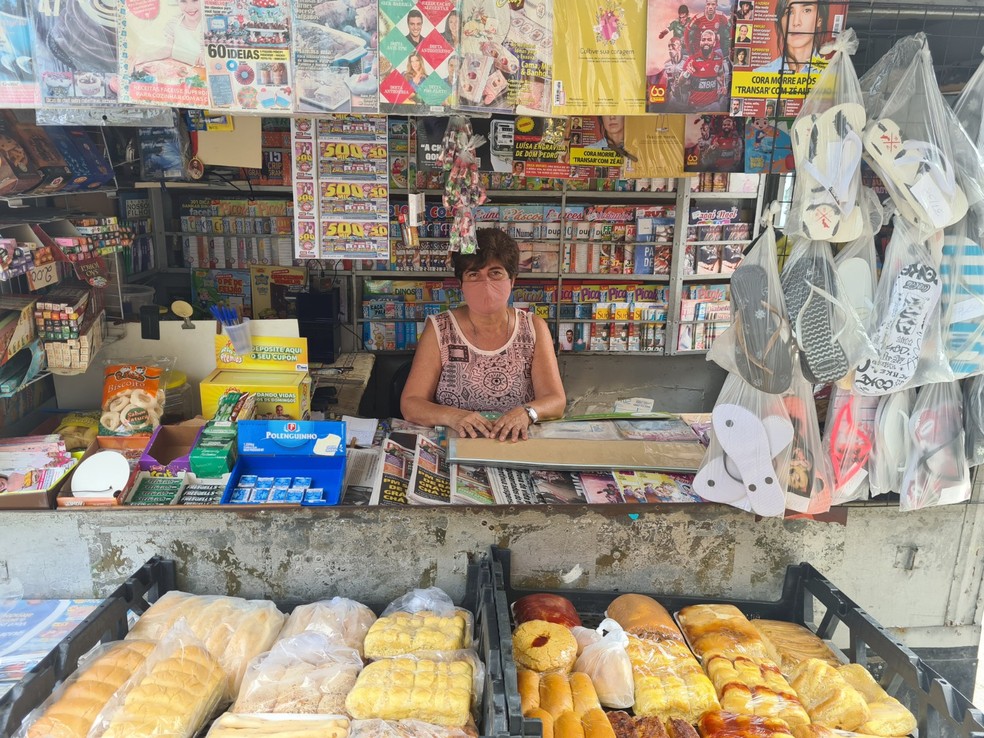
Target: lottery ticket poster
(654, 146)
(768, 147)
(506, 57)
(75, 55)
(336, 56)
(714, 143)
(248, 55)
(304, 173)
(776, 53)
(162, 57)
(399, 152)
(18, 85)
(688, 49)
(599, 58)
(417, 55)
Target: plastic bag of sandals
(758, 344)
(973, 409)
(811, 477)
(133, 396)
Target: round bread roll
(544, 647)
(644, 617)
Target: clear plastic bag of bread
(566, 704)
(231, 725)
(304, 674)
(420, 620)
(407, 729)
(233, 629)
(133, 396)
(584, 637)
(341, 619)
(70, 709)
(174, 693)
(609, 667)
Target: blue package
(302, 482)
(247, 480)
(279, 494)
(295, 495)
(283, 482)
(264, 482)
(314, 494)
(240, 494)
(259, 495)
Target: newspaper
(556, 487)
(512, 486)
(470, 485)
(393, 478)
(430, 478)
(361, 475)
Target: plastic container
(241, 336)
(135, 296)
(177, 400)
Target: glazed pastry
(668, 681)
(543, 646)
(721, 630)
(789, 644)
(889, 717)
(681, 729)
(721, 724)
(436, 692)
(644, 617)
(405, 633)
(550, 607)
(747, 688)
(829, 699)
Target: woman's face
(415, 65)
(799, 24)
(614, 125)
(493, 271)
(454, 25)
(191, 9)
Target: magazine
(361, 474)
(430, 478)
(18, 84)
(556, 487)
(394, 472)
(643, 486)
(598, 488)
(470, 485)
(512, 486)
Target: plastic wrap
(830, 700)
(827, 147)
(888, 715)
(404, 632)
(790, 644)
(857, 264)
(937, 472)
(584, 637)
(545, 606)
(724, 724)
(174, 693)
(721, 630)
(234, 630)
(848, 442)
(307, 673)
(755, 687)
(122, 116)
(133, 396)
(543, 646)
(78, 430)
(973, 408)
(668, 680)
(70, 710)
(962, 298)
(907, 341)
(406, 729)
(747, 461)
(229, 725)
(830, 335)
(609, 667)
(342, 620)
(758, 345)
(892, 442)
(811, 478)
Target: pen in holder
(238, 331)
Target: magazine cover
(75, 58)
(688, 52)
(417, 54)
(643, 486)
(512, 486)
(540, 147)
(777, 53)
(394, 472)
(598, 488)
(430, 479)
(361, 474)
(162, 55)
(18, 85)
(714, 143)
(225, 287)
(599, 58)
(470, 485)
(248, 55)
(768, 147)
(336, 56)
(556, 487)
(506, 56)
(654, 146)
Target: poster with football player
(688, 52)
(714, 143)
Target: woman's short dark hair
(492, 244)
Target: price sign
(347, 229)
(343, 150)
(354, 191)
(43, 276)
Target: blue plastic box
(309, 448)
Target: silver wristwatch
(534, 417)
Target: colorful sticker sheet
(341, 187)
(248, 49)
(75, 53)
(161, 54)
(506, 57)
(777, 53)
(336, 56)
(417, 55)
(714, 143)
(18, 86)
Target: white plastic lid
(101, 475)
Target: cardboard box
(286, 395)
(169, 452)
(17, 328)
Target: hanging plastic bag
(857, 262)
(344, 621)
(830, 335)
(892, 443)
(746, 464)
(962, 297)
(937, 472)
(463, 189)
(827, 147)
(810, 474)
(608, 665)
(908, 346)
(973, 420)
(848, 441)
(758, 344)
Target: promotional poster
(18, 86)
(506, 63)
(599, 58)
(714, 143)
(777, 53)
(417, 55)
(336, 56)
(768, 147)
(688, 52)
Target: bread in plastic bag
(174, 693)
(563, 702)
(70, 710)
(721, 630)
(747, 461)
(937, 472)
(811, 478)
(907, 341)
(229, 725)
(755, 687)
(341, 619)
(542, 646)
(233, 629)
(828, 698)
(545, 606)
(827, 147)
(407, 729)
(888, 715)
(584, 637)
(848, 442)
(420, 620)
(307, 673)
(609, 667)
(789, 644)
(758, 344)
(892, 442)
(668, 682)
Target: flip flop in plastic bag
(762, 345)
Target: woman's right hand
(471, 424)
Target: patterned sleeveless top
(477, 380)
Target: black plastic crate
(808, 599)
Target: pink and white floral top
(478, 380)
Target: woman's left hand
(511, 426)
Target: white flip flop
(892, 445)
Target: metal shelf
(657, 278)
(706, 277)
(724, 195)
(236, 186)
(213, 234)
(609, 195)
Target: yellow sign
(268, 354)
(656, 143)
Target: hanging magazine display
(417, 54)
(768, 147)
(714, 143)
(506, 56)
(162, 57)
(688, 68)
(336, 56)
(777, 53)
(75, 52)
(248, 43)
(599, 60)
(18, 86)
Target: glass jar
(176, 400)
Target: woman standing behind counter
(485, 356)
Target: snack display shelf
(111, 621)
(809, 599)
